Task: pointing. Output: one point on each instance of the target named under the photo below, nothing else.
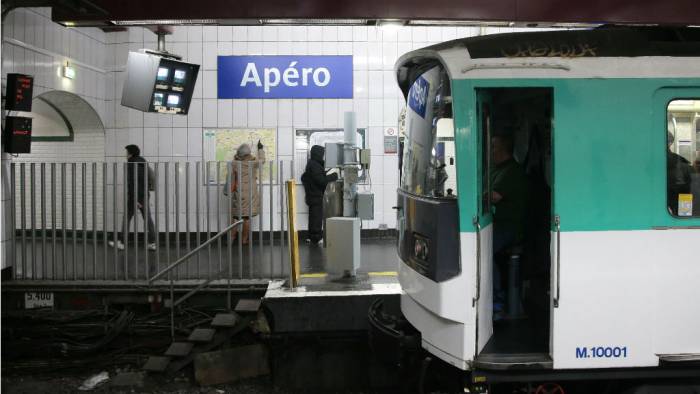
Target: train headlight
(420, 249)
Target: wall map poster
(220, 145)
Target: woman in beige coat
(244, 176)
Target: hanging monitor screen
(158, 84)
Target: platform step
(224, 320)
(248, 305)
(202, 335)
(156, 364)
(179, 349)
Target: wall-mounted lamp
(68, 71)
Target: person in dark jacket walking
(315, 181)
(136, 176)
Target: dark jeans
(151, 228)
(503, 238)
(316, 222)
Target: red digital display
(19, 92)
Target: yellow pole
(292, 236)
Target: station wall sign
(274, 77)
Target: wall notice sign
(270, 77)
(38, 300)
(685, 204)
(391, 144)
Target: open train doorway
(516, 182)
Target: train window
(429, 145)
(683, 158)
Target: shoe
(152, 246)
(119, 244)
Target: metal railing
(81, 222)
(173, 303)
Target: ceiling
(105, 13)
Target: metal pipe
(192, 252)
(239, 194)
(281, 205)
(83, 168)
(177, 214)
(272, 215)
(94, 220)
(557, 224)
(187, 212)
(218, 210)
(23, 212)
(251, 203)
(147, 230)
(104, 220)
(125, 223)
(115, 236)
(32, 212)
(198, 174)
(167, 210)
(42, 199)
(53, 222)
(156, 186)
(13, 216)
(207, 179)
(229, 243)
(134, 214)
(64, 219)
(74, 222)
(260, 212)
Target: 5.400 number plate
(38, 300)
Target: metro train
(604, 125)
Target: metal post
(42, 199)
(53, 222)
(156, 182)
(177, 215)
(83, 169)
(13, 216)
(281, 203)
(74, 222)
(260, 212)
(94, 220)
(134, 216)
(32, 212)
(166, 193)
(104, 220)
(229, 243)
(206, 181)
(125, 228)
(198, 184)
(23, 217)
(146, 219)
(187, 213)
(64, 219)
(218, 211)
(115, 236)
(251, 202)
(272, 222)
(239, 193)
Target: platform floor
(43, 260)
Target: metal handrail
(184, 258)
(193, 251)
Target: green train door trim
(592, 190)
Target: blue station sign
(274, 77)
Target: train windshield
(428, 163)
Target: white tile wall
(377, 100)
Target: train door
(513, 226)
(484, 228)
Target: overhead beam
(670, 12)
